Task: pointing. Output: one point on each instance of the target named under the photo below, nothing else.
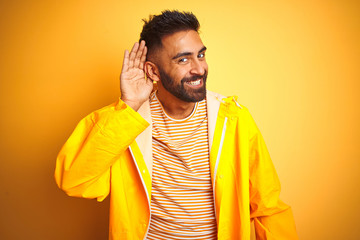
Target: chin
(194, 97)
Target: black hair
(167, 23)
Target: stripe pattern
(182, 205)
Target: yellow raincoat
(110, 151)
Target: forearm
(279, 226)
(96, 143)
(273, 219)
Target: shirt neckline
(173, 119)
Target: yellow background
(294, 64)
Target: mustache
(194, 78)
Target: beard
(182, 92)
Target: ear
(152, 71)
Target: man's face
(183, 68)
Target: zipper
(217, 161)
(147, 195)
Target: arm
(272, 218)
(83, 164)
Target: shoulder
(230, 108)
(230, 102)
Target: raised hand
(135, 88)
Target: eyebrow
(187, 53)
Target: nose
(198, 67)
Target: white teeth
(197, 82)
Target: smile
(194, 83)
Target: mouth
(195, 83)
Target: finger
(125, 65)
(139, 54)
(143, 58)
(133, 54)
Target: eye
(183, 60)
(201, 55)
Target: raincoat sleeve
(84, 162)
(272, 218)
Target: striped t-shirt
(182, 205)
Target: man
(180, 162)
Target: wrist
(135, 105)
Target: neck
(173, 106)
